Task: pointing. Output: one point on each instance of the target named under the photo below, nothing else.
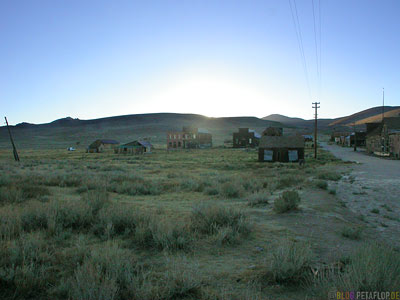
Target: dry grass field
(206, 224)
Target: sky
(91, 59)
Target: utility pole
(383, 103)
(315, 105)
(16, 157)
(355, 137)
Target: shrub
(231, 190)
(288, 181)
(96, 199)
(332, 192)
(329, 175)
(350, 232)
(288, 264)
(10, 224)
(375, 211)
(10, 194)
(322, 184)
(116, 220)
(180, 281)
(371, 268)
(257, 199)
(34, 191)
(34, 217)
(26, 273)
(209, 218)
(172, 236)
(289, 200)
(90, 282)
(69, 215)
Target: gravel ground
(371, 190)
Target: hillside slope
(71, 132)
(373, 113)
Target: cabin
(99, 146)
(189, 138)
(281, 148)
(135, 147)
(382, 138)
(356, 137)
(246, 137)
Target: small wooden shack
(281, 148)
(101, 146)
(135, 147)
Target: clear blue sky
(90, 59)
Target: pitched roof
(146, 144)
(136, 144)
(287, 141)
(97, 143)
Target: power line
(315, 43)
(296, 22)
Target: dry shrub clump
(226, 224)
(371, 268)
(258, 199)
(288, 201)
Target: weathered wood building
(135, 147)
(383, 138)
(246, 137)
(99, 146)
(189, 138)
(281, 148)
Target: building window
(170, 144)
(174, 144)
(174, 137)
(250, 141)
(170, 136)
(179, 144)
(194, 136)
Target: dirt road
(372, 190)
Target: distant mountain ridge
(68, 131)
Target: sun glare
(211, 95)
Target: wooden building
(99, 146)
(281, 148)
(246, 137)
(189, 138)
(135, 147)
(382, 138)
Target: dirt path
(372, 191)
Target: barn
(281, 148)
(135, 147)
(99, 146)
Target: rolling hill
(373, 114)
(67, 132)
